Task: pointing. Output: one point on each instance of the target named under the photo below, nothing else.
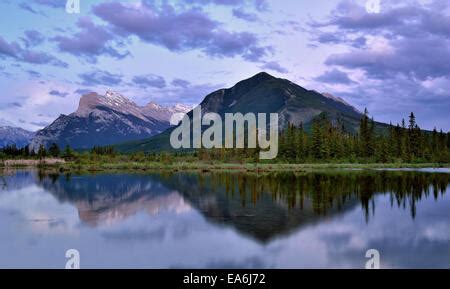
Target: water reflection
(261, 206)
(275, 217)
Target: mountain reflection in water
(263, 208)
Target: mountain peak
(14, 136)
(179, 107)
(153, 105)
(111, 99)
(263, 76)
(252, 82)
(259, 77)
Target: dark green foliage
(68, 153)
(42, 152)
(329, 142)
(54, 150)
(107, 150)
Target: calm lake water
(226, 220)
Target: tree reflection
(262, 206)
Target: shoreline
(68, 166)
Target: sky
(393, 58)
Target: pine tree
(366, 134)
(42, 152)
(413, 137)
(53, 150)
(317, 140)
(434, 144)
(68, 152)
(448, 140)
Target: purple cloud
(275, 66)
(180, 30)
(92, 41)
(415, 59)
(217, 2)
(149, 80)
(334, 76)
(180, 83)
(27, 7)
(9, 49)
(241, 14)
(260, 5)
(58, 93)
(15, 51)
(82, 91)
(402, 53)
(32, 38)
(51, 3)
(33, 73)
(100, 77)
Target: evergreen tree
(68, 152)
(413, 137)
(42, 152)
(366, 135)
(53, 150)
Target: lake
(226, 220)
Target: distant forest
(404, 142)
(326, 141)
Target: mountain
(264, 93)
(104, 120)
(14, 136)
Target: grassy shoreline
(206, 166)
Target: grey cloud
(33, 73)
(415, 59)
(27, 7)
(42, 58)
(275, 66)
(82, 91)
(180, 31)
(100, 77)
(397, 71)
(149, 80)
(217, 2)
(58, 93)
(334, 76)
(241, 14)
(395, 98)
(9, 49)
(408, 19)
(260, 5)
(51, 3)
(180, 83)
(15, 104)
(32, 38)
(338, 38)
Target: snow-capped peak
(179, 107)
(153, 105)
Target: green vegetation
(330, 142)
(327, 145)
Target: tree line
(330, 141)
(326, 141)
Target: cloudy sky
(392, 60)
